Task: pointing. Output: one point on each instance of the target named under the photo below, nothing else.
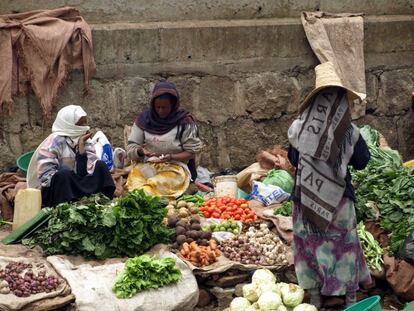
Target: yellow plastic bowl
(409, 163)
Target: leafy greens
(100, 228)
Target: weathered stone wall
(242, 80)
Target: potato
(181, 204)
(169, 206)
(194, 210)
(183, 212)
(181, 239)
(180, 231)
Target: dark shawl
(149, 120)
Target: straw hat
(326, 76)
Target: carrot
(212, 244)
(212, 256)
(186, 248)
(194, 246)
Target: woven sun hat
(326, 76)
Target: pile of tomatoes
(228, 208)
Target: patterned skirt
(332, 261)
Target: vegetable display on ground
(145, 272)
(197, 199)
(182, 210)
(264, 294)
(225, 226)
(372, 250)
(188, 232)
(388, 186)
(21, 280)
(256, 246)
(200, 256)
(228, 208)
(100, 228)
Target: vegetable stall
(197, 250)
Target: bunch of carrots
(200, 256)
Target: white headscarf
(64, 125)
(66, 119)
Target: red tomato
(215, 215)
(206, 214)
(237, 217)
(239, 211)
(225, 216)
(210, 209)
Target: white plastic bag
(103, 148)
(268, 194)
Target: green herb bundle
(285, 209)
(100, 228)
(372, 250)
(145, 272)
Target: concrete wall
(242, 78)
(103, 11)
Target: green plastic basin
(23, 162)
(369, 304)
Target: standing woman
(65, 166)
(323, 142)
(167, 134)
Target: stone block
(217, 100)
(270, 95)
(394, 96)
(386, 125)
(372, 83)
(388, 34)
(125, 44)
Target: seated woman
(164, 134)
(65, 166)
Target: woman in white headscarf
(65, 166)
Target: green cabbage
(267, 287)
(292, 295)
(280, 178)
(249, 292)
(269, 301)
(239, 304)
(263, 276)
(305, 307)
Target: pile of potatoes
(187, 232)
(182, 210)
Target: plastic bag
(203, 175)
(268, 194)
(407, 249)
(103, 148)
(280, 178)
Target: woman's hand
(144, 151)
(82, 141)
